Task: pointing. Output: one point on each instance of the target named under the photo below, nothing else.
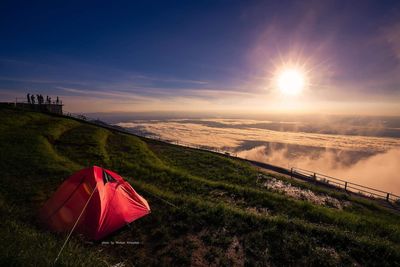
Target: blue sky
(202, 55)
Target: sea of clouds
(362, 150)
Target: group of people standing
(40, 99)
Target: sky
(203, 56)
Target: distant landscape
(360, 149)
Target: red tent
(99, 201)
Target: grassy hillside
(223, 214)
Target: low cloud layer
(380, 170)
(368, 160)
(228, 137)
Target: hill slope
(226, 213)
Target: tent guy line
(76, 223)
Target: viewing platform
(52, 107)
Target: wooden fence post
(345, 186)
(291, 172)
(388, 197)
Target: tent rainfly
(94, 200)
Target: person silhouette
(29, 98)
(57, 101)
(32, 99)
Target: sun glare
(291, 81)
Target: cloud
(104, 94)
(232, 137)
(392, 37)
(378, 171)
(167, 79)
(371, 161)
(39, 81)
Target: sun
(291, 81)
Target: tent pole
(76, 223)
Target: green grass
(215, 198)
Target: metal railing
(22, 100)
(346, 185)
